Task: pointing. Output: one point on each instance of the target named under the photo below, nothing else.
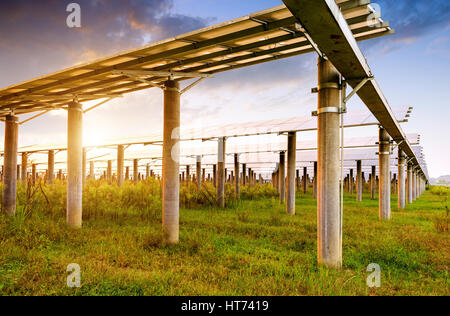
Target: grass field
(251, 248)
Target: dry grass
(250, 248)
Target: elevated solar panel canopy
(257, 38)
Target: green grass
(250, 248)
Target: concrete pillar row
(74, 165)
(384, 177)
(10, 165)
(171, 167)
(328, 216)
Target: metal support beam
(74, 165)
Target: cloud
(412, 20)
(35, 40)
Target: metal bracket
(300, 28)
(191, 85)
(357, 88)
(328, 109)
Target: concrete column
(120, 164)
(92, 170)
(413, 181)
(350, 186)
(135, 171)
(33, 174)
(282, 177)
(51, 166)
(363, 178)
(358, 181)
(417, 184)
(221, 173)
(401, 180)
(244, 174)
(328, 223)
(215, 175)
(109, 172)
(24, 167)
(127, 173)
(291, 161)
(171, 158)
(384, 175)
(315, 180)
(10, 165)
(305, 180)
(373, 183)
(188, 173)
(199, 171)
(147, 171)
(74, 165)
(237, 189)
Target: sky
(411, 67)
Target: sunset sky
(411, 67)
